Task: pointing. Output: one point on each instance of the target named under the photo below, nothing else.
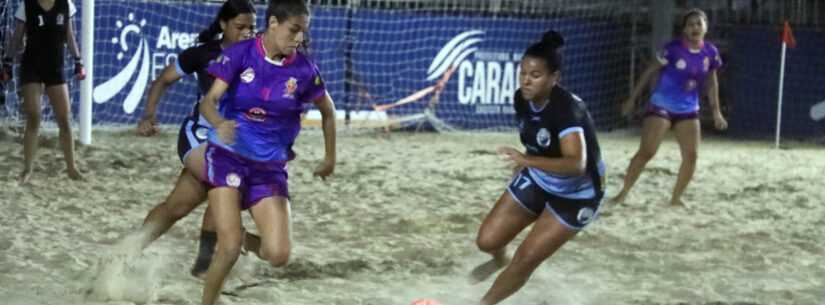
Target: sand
(398, 221)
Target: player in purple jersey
(235, 21)
(47, 26)
(684, 67)
(263, 85)
(559, 185)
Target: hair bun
(552, 39)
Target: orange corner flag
(787, 35)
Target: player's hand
(226, 131)
(627, 107)
(511, 154)
(147, 127)
(79, 71)
(719, 121)
(324, 169)
(6, 73)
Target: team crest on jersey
(290, 86)
(706, 64)
(233, 180)
(543, 138)
(681, 64)
(248, 75)
(60, 19)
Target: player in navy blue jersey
(235, 21)
(47, 27)
(559, 184)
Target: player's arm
(651, 73)
(167, 77)
(79, 72)
(11, 52)
(573, 159)
(209, 103)
(713, 92)
(713, 98)
(327, 109)
(16, 39)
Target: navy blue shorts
(572, 213)
(193, 132)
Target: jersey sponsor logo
(248, 75)
(486, 79)
(681, 64)
(233, 180)
(144, 62)
(543, 138)
(256, 114)
(585, 215)
(290, 86)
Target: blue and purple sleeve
(716, 59)
(316, 87)
(228, 65)
(665, 54)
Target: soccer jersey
(683, 75)
(540, 131)
(196, 60)
(265, 97)
(45, 31)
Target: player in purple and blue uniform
(684, 67)
(263, 85)
(235, 21)
(559, 183)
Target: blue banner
(366, 57)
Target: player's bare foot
(74, 174)
(488, 268)
(619, 199)
(677, 203)
(24, 177)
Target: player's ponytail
(230, 9)
(548, 49)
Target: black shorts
(49, 74)
(572, 213)
(193, 132)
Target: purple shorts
(673, 117)
(255, 180)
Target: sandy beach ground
(398, 222)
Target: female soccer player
(560, 184)
(265, 83)
(683, 67)
(47, 26)
(236, 21)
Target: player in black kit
(236, 21)
(47, 26)
(558, 183)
